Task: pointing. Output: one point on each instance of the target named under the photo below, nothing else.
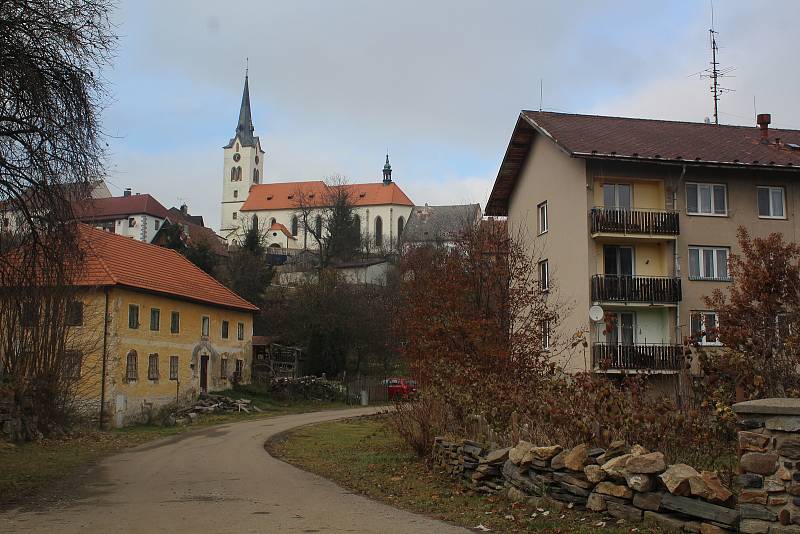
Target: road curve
(215, 480)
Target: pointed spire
(245, 129)
(387, 171)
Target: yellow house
(153, 329)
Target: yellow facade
(138, 396)
(650, 258)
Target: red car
(401, 388)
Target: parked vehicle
(401, 389)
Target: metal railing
(653, 357)
(621, 288)
(619, 221)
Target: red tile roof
(647, 140)
(115, 260)
(112, 207)
(278, 227)
(282, 196)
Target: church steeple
(387, 171)
(245, 129)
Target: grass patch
(365, 456)
(27, 468)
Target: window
(618, 260)
(318, 226)
(29, 314)
(617, 196)
(704, 325)
(357, 225)
(708, 263)
(544, 222)
(239, 368)
(131, 222)
(771, 203)
(155, 319)
(72, 364)
(233, 174)
(235, 215)
(235, 193)
(175, 322)
(294, 226)
(152, 367)
(223, 368)
(157, 224)
(205, 326)
(173, 367)
(133, 316)
(75, 313)
(378, 231)
(224, 329)
(545, 335)
(706, 199)
(131, 367)
(544, 275)
(272, 221)
(238, 174)
(240, 331)
(255, 176)
(622, 330)
(401, 223)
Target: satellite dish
(596, 313)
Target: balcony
(644, 289)
(649, 223)
(611, 357)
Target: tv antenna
(715, 72)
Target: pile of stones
(303, 388)
(628, 483)
(209, 404)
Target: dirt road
(215, 480)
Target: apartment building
(635, 219)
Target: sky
(440, 84)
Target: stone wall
(623, 482)
(769, 462)
(636, 485)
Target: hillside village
(607, 341)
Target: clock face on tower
(237, 157)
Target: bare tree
(51, 152)
(329, 217)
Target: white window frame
(544, 275)
(710, 187)
(545, 325)
(770, 189)
(205, 326)
(701, 264)
(543, 218)
(703, 313)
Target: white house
(382, 208)
(133, 215)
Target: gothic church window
(294, 226)
(255, 176)
(378, 231)
(357, 226)
(400, 224)
(318, 226)
(233, 174)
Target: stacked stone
(769, 463)
(480, 470)
(624, 482)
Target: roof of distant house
(115, 260)
(290, 195)
(439, 223)
(112, 207)
(643, 140)
(179, 215)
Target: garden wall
(637, 485)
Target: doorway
(204, 373)
(618, 260)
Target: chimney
(763, 121)
(127, 192)
(184, 209)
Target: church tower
(244, 166)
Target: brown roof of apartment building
(648, 140)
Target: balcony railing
(653, 357)
(652, 289)
(618, 221)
